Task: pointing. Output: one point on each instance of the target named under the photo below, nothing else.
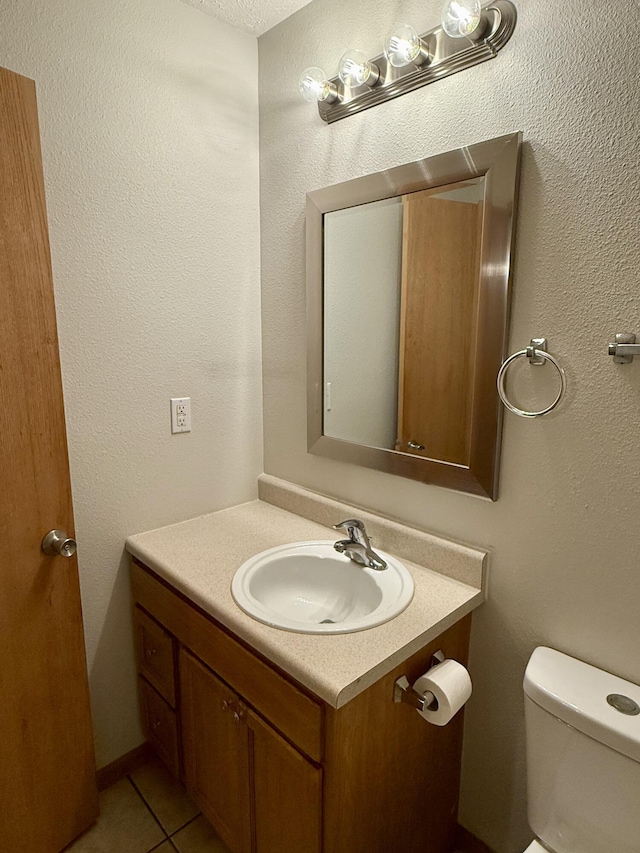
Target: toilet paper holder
(404, 692)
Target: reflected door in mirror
(439, 304)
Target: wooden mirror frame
(498, 160)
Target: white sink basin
(310, 588)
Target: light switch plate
(180, 414)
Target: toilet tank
(583, 756)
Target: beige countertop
(199, 558)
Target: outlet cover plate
(180, 414)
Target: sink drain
(327, 622)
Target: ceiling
(251, 16)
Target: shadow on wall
(115, 714)
(491, 739)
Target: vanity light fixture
(354, 69)
(463, 19)
(314, 86)
(403, 46)
(469, 34)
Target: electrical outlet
(180, 414)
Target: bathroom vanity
(292, 742)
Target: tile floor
(148, 810)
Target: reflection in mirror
(408, 275)
(362, 273)
(400, 286)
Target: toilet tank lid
(576, 693)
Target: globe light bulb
(355, 69)
(314, 86)
(403, 46)
(462, 19)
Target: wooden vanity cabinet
(287, 793)
(274, 768)
(215, 744)
(155, 649)
(258, 791)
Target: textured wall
(150, 151)
(564, 533)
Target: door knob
(57, 543)
(414, 445)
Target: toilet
(583, 757)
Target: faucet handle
(358, 547)
(350, 523)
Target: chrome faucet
(358, 547)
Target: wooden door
(286, 794)
(215, 752)
(47, 768)
(439, 306)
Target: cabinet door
(216, 752)
(286, 794)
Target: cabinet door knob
(224, 705)
(151, 652)
(156, 724)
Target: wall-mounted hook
(624, 349)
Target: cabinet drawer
(154, 648)
(290, 710)
(160, 725)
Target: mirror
(408, 281)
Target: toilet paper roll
(450, 683)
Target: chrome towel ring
(537, 354)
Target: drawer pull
(156, 724)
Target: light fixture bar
(447, 56)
